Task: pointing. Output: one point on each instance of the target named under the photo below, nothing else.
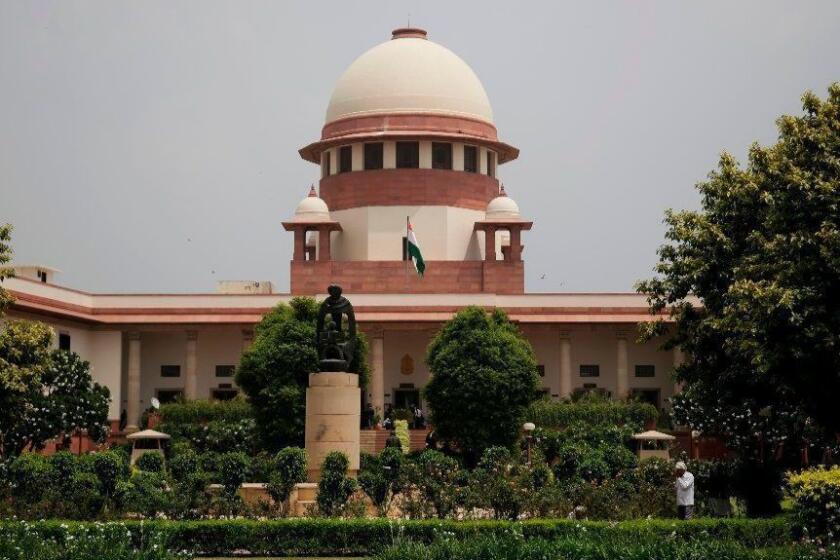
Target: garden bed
(365, 537)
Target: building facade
(408, 136)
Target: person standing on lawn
(685, 491)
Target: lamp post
(528, 428)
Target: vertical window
(345, 159)
(471, 159)
(325, 164)
(373, 155)
(63, 341)
(441, 155)
(408, 155)
(645, 370)
(405, 247)
(170, 371)
(491, 163)
(590, 370)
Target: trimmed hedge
(363, 537)
(204, 411)
(560, 414)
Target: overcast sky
(152, 146)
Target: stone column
(324, 244)
(565, 364)
(332, 419)
(490, 243)
(300, 244)
(515, 244)
(191, 366)
(132, 408)
(622, 381)
(679, 358)
(376, 396)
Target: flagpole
(407, 255)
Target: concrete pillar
(133, 386)
(300, 245)
(425, 155)
(389, 155)
(324, 244)
(490, 243)
(333, 415)
(565, 364)
(457, 156)
(515, 244)
(622, 381)
(679, 358)
(376, 395)
(191, 366)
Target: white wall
(376, 232)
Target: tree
(335, 488)
(5, 272)
(274, 372)
(484, 375)
(752, 283)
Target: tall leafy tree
(274, 372)
(44, 393)
(5, 257)
(484, 375)
(752, 281)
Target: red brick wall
(408, 187)
(377, 277)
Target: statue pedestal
(333, 410)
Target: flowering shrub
(816, 495)
(151, 462)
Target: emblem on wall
(407, 365)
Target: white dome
(312, 209)
(409, 74)
(502, 207)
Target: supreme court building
(408, 133)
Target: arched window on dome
(408, 155)
(441, 155)
(471, 159)
(345, 159)
(374, 155)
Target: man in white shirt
(685, 491)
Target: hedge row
(363, 537)
(204, 411)
(559, 414)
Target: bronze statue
(335, 347)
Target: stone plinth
(333, 410)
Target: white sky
(152, 145)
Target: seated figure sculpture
(335, 346)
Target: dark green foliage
(84, 495)
(151, 462)
(274, 371)
(146, 493)
(184, 464)
(81, 541)
(585, 547)
(30, 476)
(484, 375)
(436, 478)
(205, 411)
(364, 537)
(381, 477)
(290, 468)
(335, 488)
(762, 257)
(590, 410)
(233, 471)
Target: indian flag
(414, 249)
